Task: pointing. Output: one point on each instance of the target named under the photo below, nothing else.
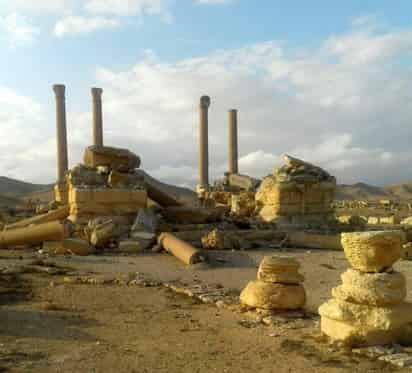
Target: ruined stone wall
(294, 199)
(296, 190)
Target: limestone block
(242, 204)
(407, 221)
(102, 233)
(259, 294)
(269, 213)
(277, 264)
(359, 335)
(268, 192)
(373, 220)
(125, 180)
(219, 240)
(372, 251)
(392, 220)
(383, 318)
(131, 246)
(377, 289)
(105, 201)
(81, 175)
(292, 278)
(69, 246)
(118, 159)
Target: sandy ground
(51, 326)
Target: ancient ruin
(368, 308)
(278, 285)
(298, 192)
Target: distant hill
(12, 191)
(17, 189)
(362, 191)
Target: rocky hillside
(362, 191)
(16, 188)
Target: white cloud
(74, 25)
(127, 7)
(16, 30)
(36, 6)
(75, 17)
(326, 106)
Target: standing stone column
(233, 142)
(97, 116)
(203, 142)
(62, 159)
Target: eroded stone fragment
(383, 318)
(373, 251)
(118, 159)
(69, 246)
(377, 289)
(359, 335)
(259, 294)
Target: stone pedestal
(369, 307)
(278, 287)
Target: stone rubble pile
(297, 192)
(369, 307)
(278, 285)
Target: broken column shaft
(203, 142)
(233, 143)
(51, 231)
(180, 249)
(97, 116)
(62, 159)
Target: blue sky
(324, 80)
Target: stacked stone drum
(278, 285)
(369, 307)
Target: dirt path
(51, 327)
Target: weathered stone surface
(125, 180)
(117, 159)
(131, 246)
(259, 294)
(371, 317)
(219, 240)
(81, 175)
(372, 251)
(243, 204)
(105, 201)
(292, 278)
(374, 289)
(275, 268)
(69, 246)
(101, 233)
(359, 335)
